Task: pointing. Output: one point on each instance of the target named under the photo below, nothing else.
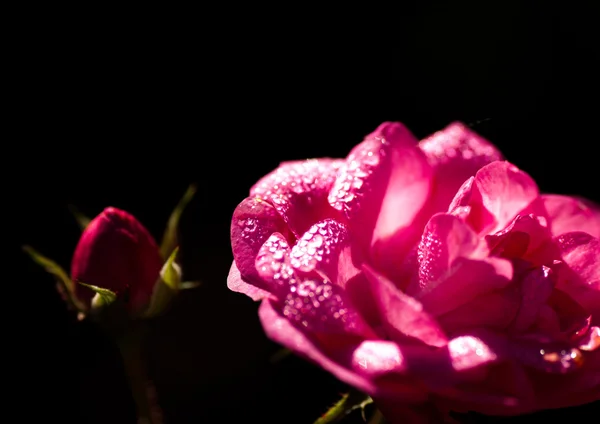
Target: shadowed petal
(402, 315)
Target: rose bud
(433, 276)
(117, 253)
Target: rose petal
(279, 329)
(402, 315)
(117, 252)
(273, 266)
(298, 190)
(455, 153)
(316, 304)
(236, 283)
(580, 275)
(447, 278)
(462, 197)
(467, 280)
(573, 320)
(569, 214)
(500, 192)
(382, 187)
(254, 220)
(522, 239)
(320, 249)
(306, 298)
(494, 310)
(445, 238)
(536, 288)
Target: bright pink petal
(445, 239)
(321, 248)
(236, 283)
(402, 315)
(273, 265)
(500, 192)
(456, 153)
(306, 298)
(447, 277)
(567, 214)
(298, 191)
(253, 221)
(382, 187)
(462, 197)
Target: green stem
(141, 387)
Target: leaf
(65, 286)
(347, 404)
(81, 219)
(106, 296)
(169, 240)
(166, 287)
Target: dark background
(128, 108)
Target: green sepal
(166, 288)
(104, 297)
(169, 239)
(65, 286)
(347, 404)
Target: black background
(126, 108)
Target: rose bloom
(116, 252)
(431, 275)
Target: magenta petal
(273, 265)
(279, 329)
(580, 277)
(320, 249)
(118, 253)
(527, 237)
(298, 190)
(382, 187)
(322, 307)
(447, 277)
(456, 153)
(462, 197)
(253, 221)
(402, 315)
(445, 238)
(468, 280)
(493, 310)
(536, 288)
(500, 192)
(567, 214)
(236, 283)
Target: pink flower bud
(116, 252)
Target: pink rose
(116, 252)
(428, 274)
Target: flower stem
(142, 389)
